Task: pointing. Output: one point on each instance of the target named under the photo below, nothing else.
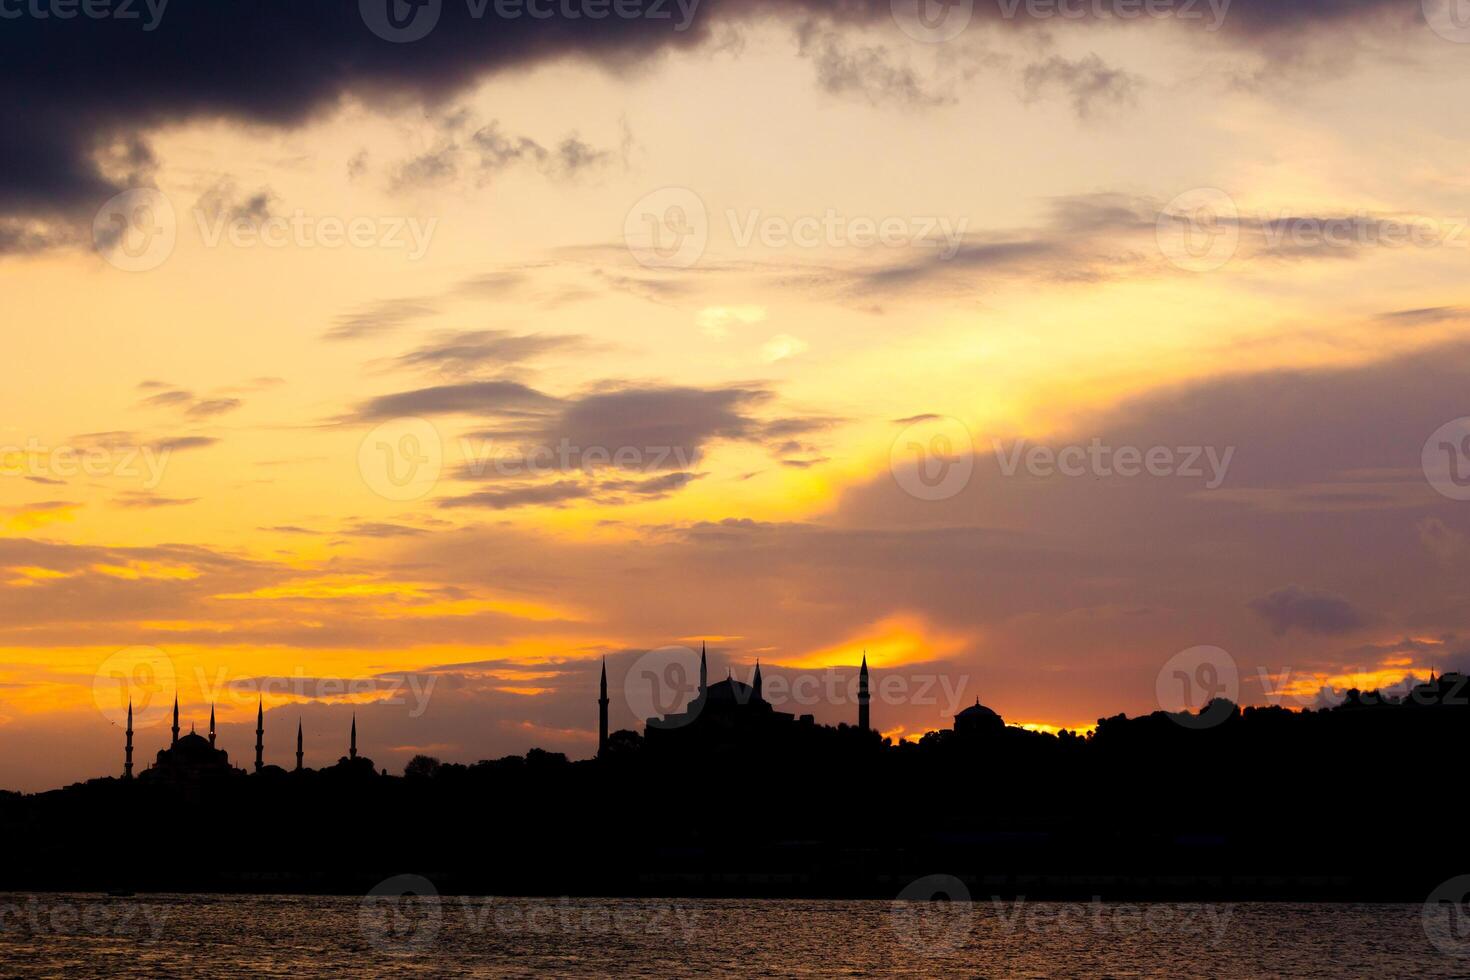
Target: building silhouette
(731, 710)
(193, 758)
(978, 720)
(602, 713)
(190, 759)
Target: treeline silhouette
(1353, 801)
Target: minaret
(211, 726)
(176, 720)
(703, 671)
(298, 744)
(128, 762)
(602, 713)
(863, 693)
(352, 748)
(755, 682)
(260, 734)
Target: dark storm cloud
(1296, 608)
(80, 91)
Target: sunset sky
(1248, 236)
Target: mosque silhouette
(195, 758)
(726, 795)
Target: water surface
(205, 936)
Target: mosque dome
(978, 718)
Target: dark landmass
(1354, 802)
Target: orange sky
(261, 461)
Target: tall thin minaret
(260, 734)
(211, 726)
(176, 720)
(128, 760)
(602, 712)
(755, 682)
(298, 744)
(352, 748)
(703, 671)
(863, 693)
